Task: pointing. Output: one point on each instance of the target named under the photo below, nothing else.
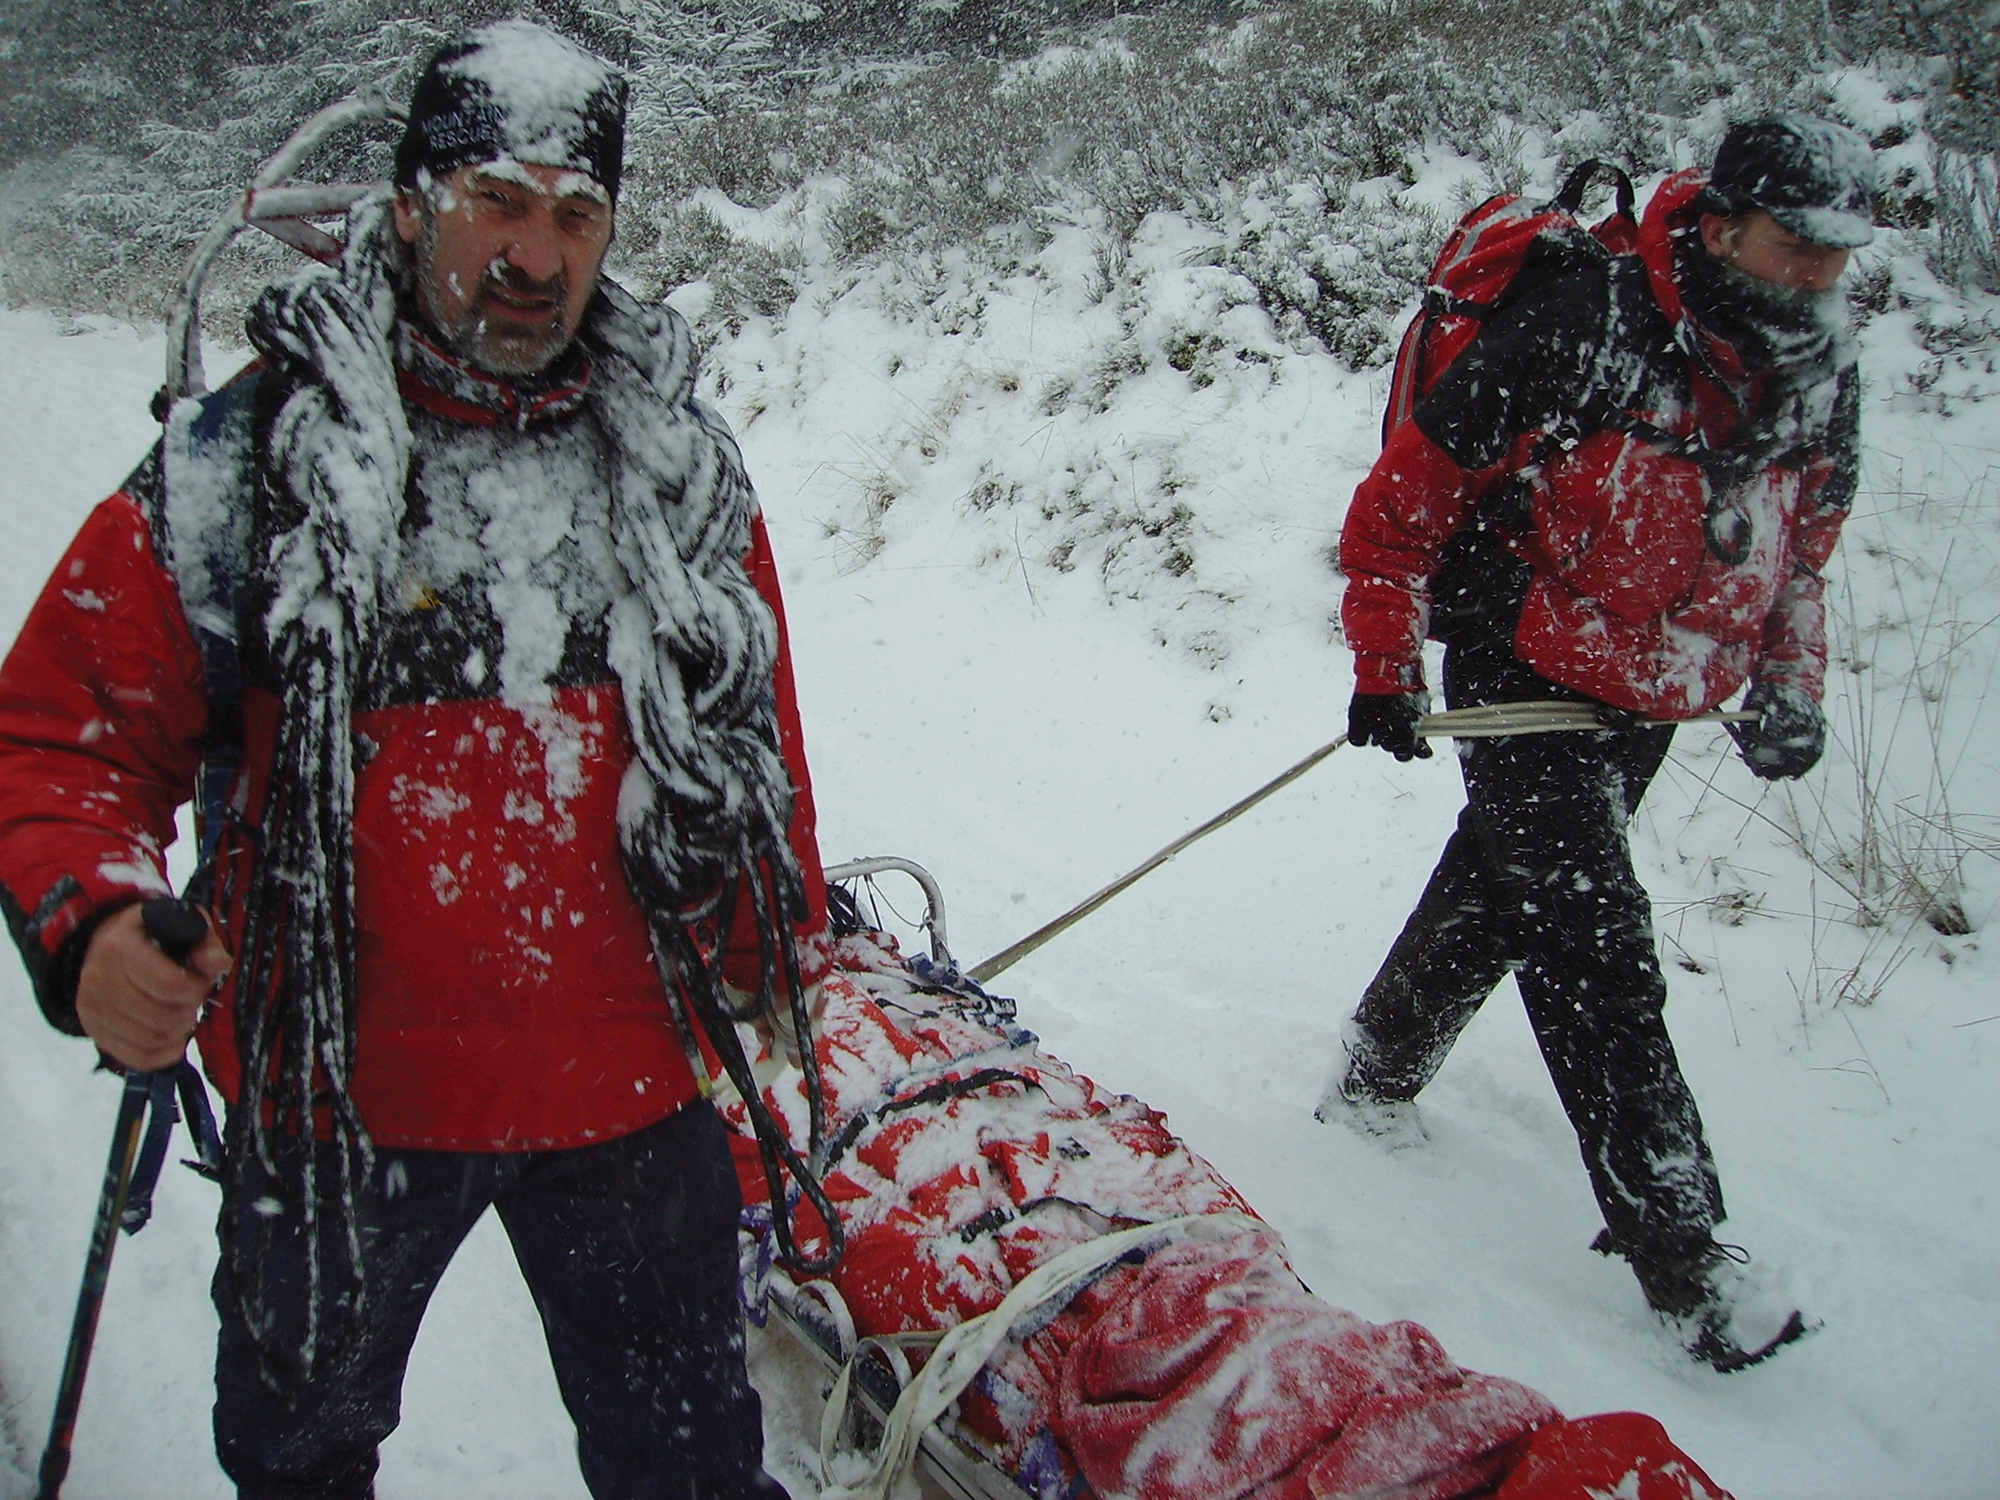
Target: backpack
(1481, 264)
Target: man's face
(1758, 245)
(507, 256)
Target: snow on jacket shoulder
(1551, 491)
(102, 719)
(507, 994)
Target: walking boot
(1724, 1311)
(1393, 1123)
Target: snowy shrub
(739, 155)
(1120, 511)
(746, 279)
(1342, 272)
(987, 126)
(1955, 48)
(1968, 188)
(1905, 194)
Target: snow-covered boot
(1725, 1311)
(1393, 1123)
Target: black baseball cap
(1814, 177)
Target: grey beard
(1768, 325)
(1794, 303)
(469, 336)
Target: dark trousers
(1538, 879)
(629, 1249)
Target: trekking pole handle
(175, 926)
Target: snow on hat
(514, 89)
(1814, 177)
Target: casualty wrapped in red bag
(962, 1158)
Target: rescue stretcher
(1045, 1292)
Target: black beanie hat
(514, 89)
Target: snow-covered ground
(1058, 582)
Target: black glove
(1788, 736)
(1389, 720)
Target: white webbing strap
(964, 1351)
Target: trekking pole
(177, 927)
(1482, 721)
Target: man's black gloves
(1788, 736)
(1389, 720)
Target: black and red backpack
(1481, 264)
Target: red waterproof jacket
(507, 996)
(1559, 489)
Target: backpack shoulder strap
(203, 525)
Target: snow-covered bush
(1341, 270)
(746, 277)
(942, 142)
(1955, 50)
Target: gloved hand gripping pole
(137, 1150)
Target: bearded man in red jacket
(1620, 495)
(459, 609)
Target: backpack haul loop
(1481, 264)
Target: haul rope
(1006, 958)
(1482, 721)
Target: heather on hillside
(978, 127)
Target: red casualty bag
(1620, 1453)
(961, 1157)
(1480, 264)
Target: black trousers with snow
(1538, 879)
(628, 1247)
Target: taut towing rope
(1482, 721)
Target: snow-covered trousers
(629, 1250)
(1538, 879)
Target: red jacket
(1622, 597)
(507, 996)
